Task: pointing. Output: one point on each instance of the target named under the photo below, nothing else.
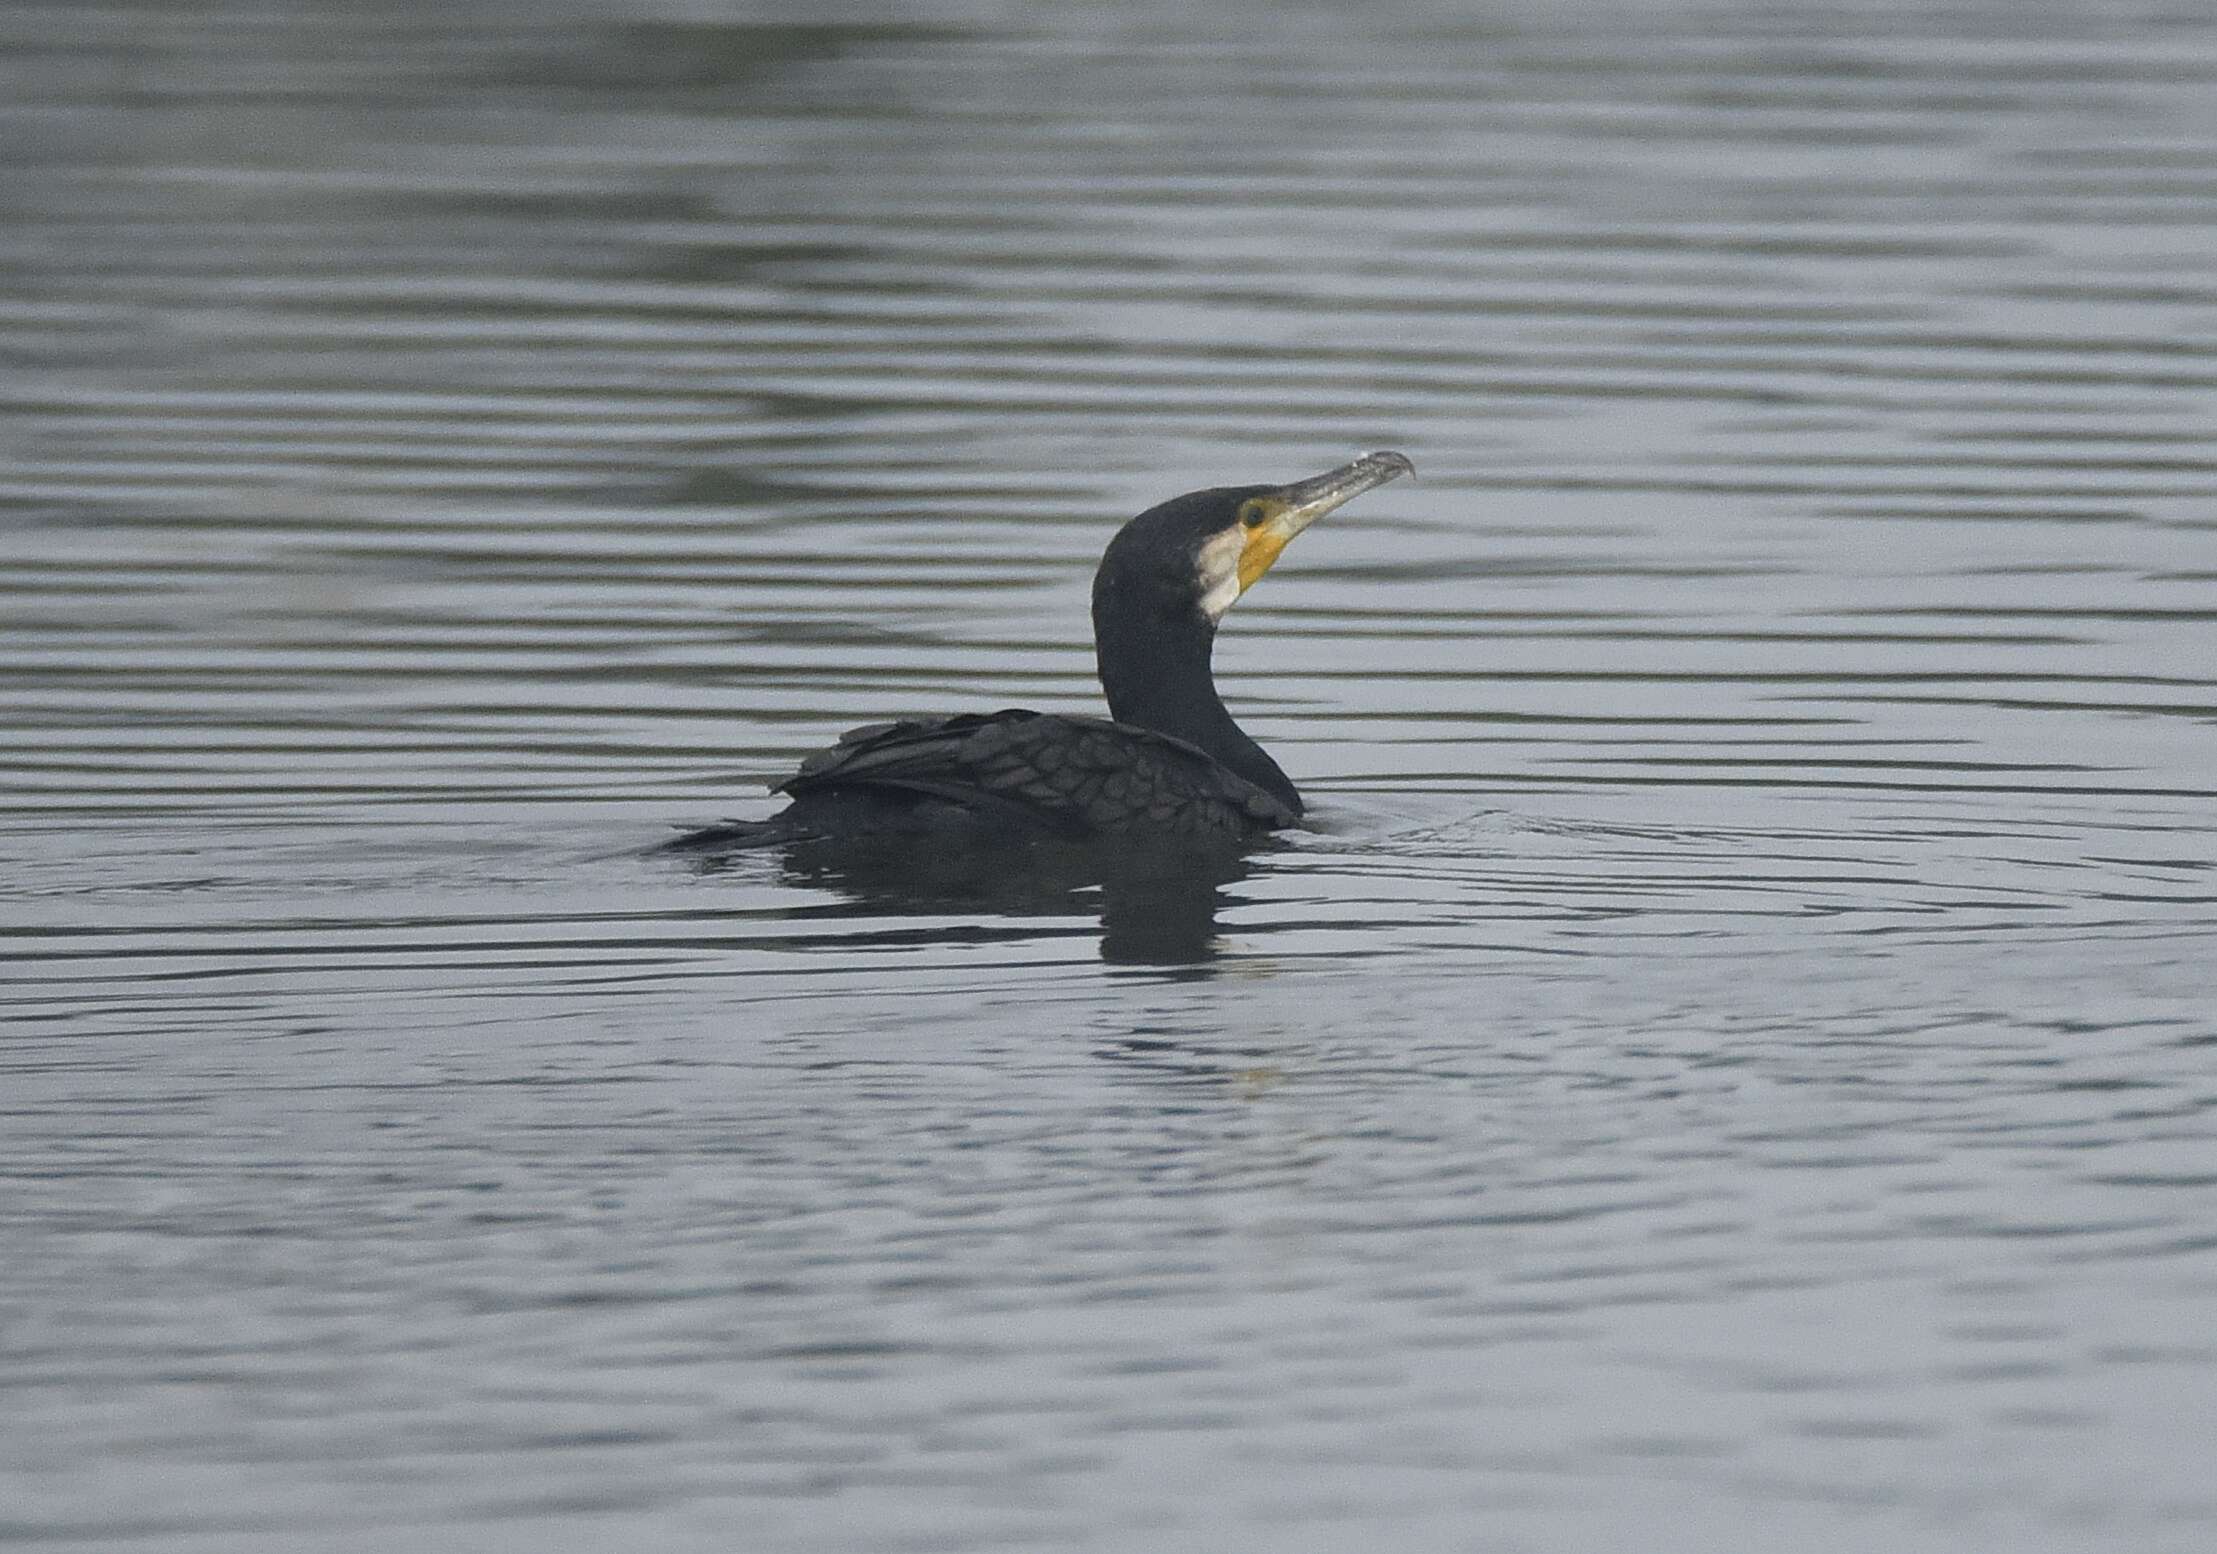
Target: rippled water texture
(1732, 1070)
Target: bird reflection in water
(1157, 906)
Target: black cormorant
(1167, 764)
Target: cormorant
(1167, 765)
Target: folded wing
(1070, 776)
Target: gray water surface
(1732, 1067)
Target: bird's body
(1168, 766)
(1041, 773)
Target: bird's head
(1201, 551)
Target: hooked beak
(1290, 509)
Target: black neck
(1155, 668)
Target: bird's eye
(1252, 514)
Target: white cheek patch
(1219, 571)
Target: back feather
(1078, 776)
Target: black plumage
(1069, 777)
(1169, 765)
